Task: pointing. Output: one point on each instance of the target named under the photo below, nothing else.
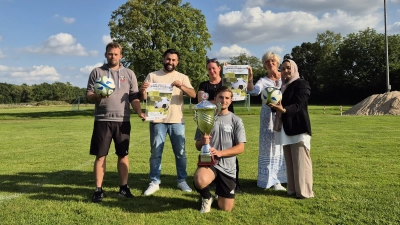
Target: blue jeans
(176, 132)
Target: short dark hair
(113, 45)
(223, 89)
(171, 51)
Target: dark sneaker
(98, 195)
(125, 191)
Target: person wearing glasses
(271, 161)
(173, 124)
(210, 86)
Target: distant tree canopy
(345, 70)
(147, 28)
(11, 93)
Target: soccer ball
(164, 103)
(271, 95)
(104, 86)
(239, 84)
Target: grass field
(46, 173)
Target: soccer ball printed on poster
(158, 101)
(235, 77)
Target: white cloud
(225, 52)
(253, 26)
(106, 39)
(363, 7)
(276, 49)
(395, 28)
(88, 69)
(1, 54)
(28, 75)
(396, 1)
(60, 44)
(222, 8)
(68, 20)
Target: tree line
(11, 93)
(346, 70)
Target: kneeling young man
(226, 140)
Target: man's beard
(112, 64)
(167, 69)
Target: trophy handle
(217, 110)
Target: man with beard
(111, 119)
(173, 124)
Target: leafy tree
(5, 97)
(394, 61)
(146, 28)
(26, 95)
(307, 57)
(363, 64)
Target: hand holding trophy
(205, 116)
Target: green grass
(46, 173)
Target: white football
(239, 84)
(164, 103)
(104, 86)
(271, 95)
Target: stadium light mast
(387, 53)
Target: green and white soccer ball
(104, 86)
(271, 95)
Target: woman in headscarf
(271, 162)
(293, 130)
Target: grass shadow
(77, 186)
(47, 114)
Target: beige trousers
(299, 170)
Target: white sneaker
(279, 187)
(184, 186)
(153, 187)
(206, 205)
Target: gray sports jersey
(227, 132)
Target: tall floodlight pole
(387, 54)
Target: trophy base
(206, 160)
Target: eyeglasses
(212, 60)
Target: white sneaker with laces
(206, 205)
(279, 187)
(153, 187)
(184, 186)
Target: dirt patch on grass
(379, 104)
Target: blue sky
(63, 40)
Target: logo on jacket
(122, 78)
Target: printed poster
(235, 77)
(158, 101)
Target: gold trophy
(205, 116)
